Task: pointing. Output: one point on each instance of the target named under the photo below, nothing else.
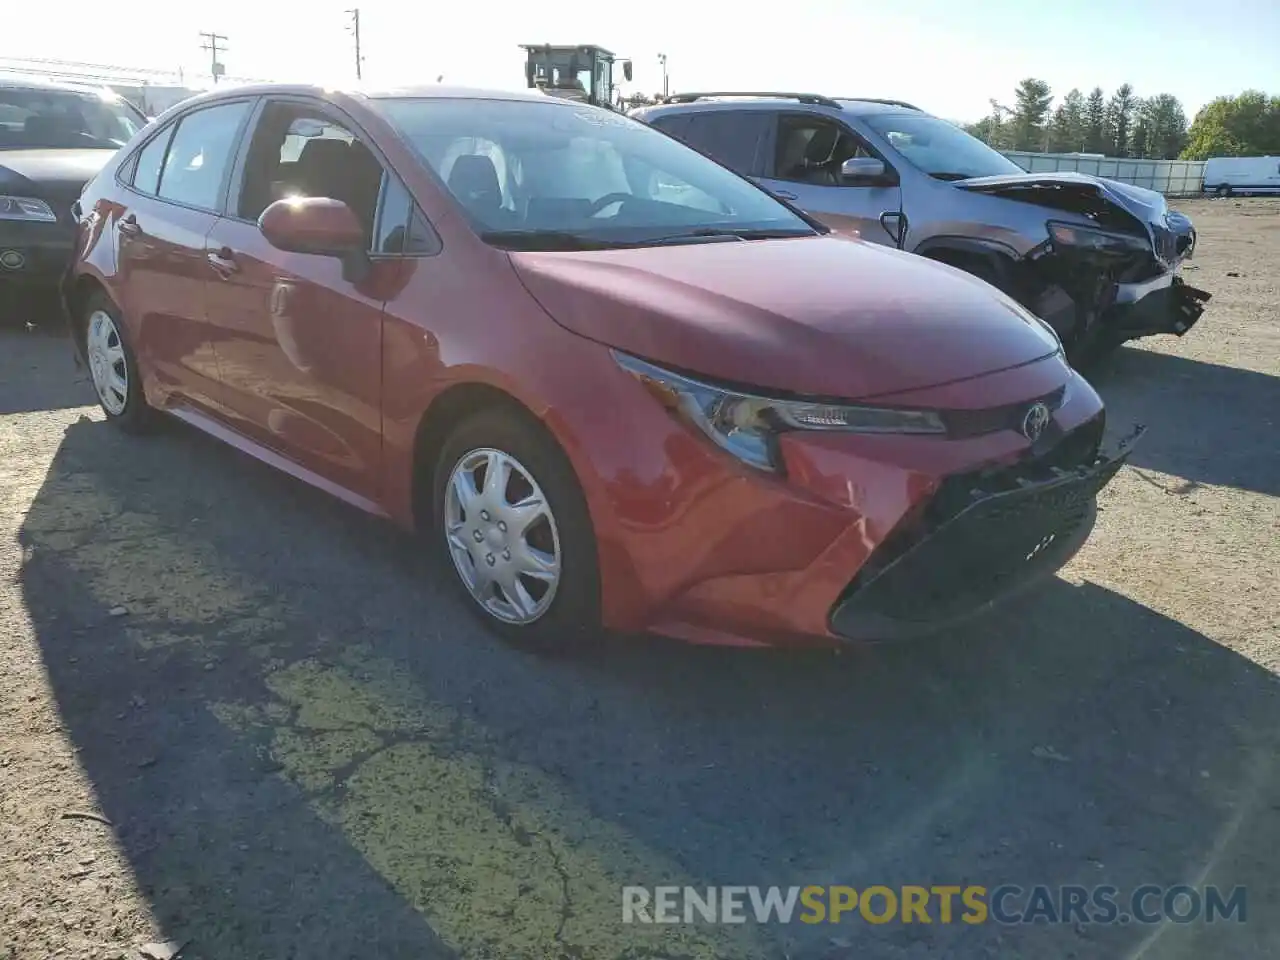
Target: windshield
(35, 119)
(939, 148)
(557, 176)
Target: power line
(216, 69)
(355, 29)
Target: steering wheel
(608, 200)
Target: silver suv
(1095, 258)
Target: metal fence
(1173, 178)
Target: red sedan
(612, 382)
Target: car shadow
(308, 748)
(1209, 424)
(37, 372)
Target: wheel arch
(78, 292)
(448, 408)
(992, 260)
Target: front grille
(976, 423)
(981, 535)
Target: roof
(420, 91)
(857, 106)
(24, 82)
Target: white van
(1227, 175)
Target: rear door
(804, 168)
(175, 186)
(299, 338)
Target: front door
(805, 171)
(299, 344)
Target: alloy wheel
(107, 363)
(502, 536)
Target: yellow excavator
(584, 73)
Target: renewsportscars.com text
(937, 903)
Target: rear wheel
(513, 526)
(113, 366)
(1223, 190)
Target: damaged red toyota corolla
(611, 381)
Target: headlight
(1076, 237)
(26, 208)
(747, 425)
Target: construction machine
(584, 73)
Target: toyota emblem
(1036, 419)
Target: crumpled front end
(981, 538)
(1108, 270)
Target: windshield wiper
(951, 175)
(728, 233)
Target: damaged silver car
(1097, 259)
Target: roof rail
(887, 103)
(813, 98)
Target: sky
(949, 58)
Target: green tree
(1119, 118)
(1095, 122)
(1066, 130)
(1241, 126)
(1165, 125)
(1140, 138)
(1030, 114)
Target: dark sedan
(53, 138)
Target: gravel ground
(238, 717)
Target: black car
(53, 138)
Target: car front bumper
(34, 254)
(987, 536)
(1164, 304)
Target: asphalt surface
(306, 748)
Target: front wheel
(513, 524)
(1223, 190)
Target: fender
(999, 260)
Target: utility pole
(355, 29)
(215, 68)
(662, 59)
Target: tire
(113, 366)
(473, 543)
(1223, 190)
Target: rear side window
(200, 154)
(674, 126)
(146, 175)
(732, 138)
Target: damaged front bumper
(1165, 304)
(989, 536)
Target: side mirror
(626, 69)
(318, 225)
(862, 170)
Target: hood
(821, 316)
(50, 174)
(1108, 202)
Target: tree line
(1122, 125)
(1126, 125)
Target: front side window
(298, 151)
(40, 119)
(812, 150)
(199, 155)
(553, 175)
(939, 148)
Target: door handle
(223, 261)
(129, 226)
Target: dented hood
(1066, 190)
(823, 316)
